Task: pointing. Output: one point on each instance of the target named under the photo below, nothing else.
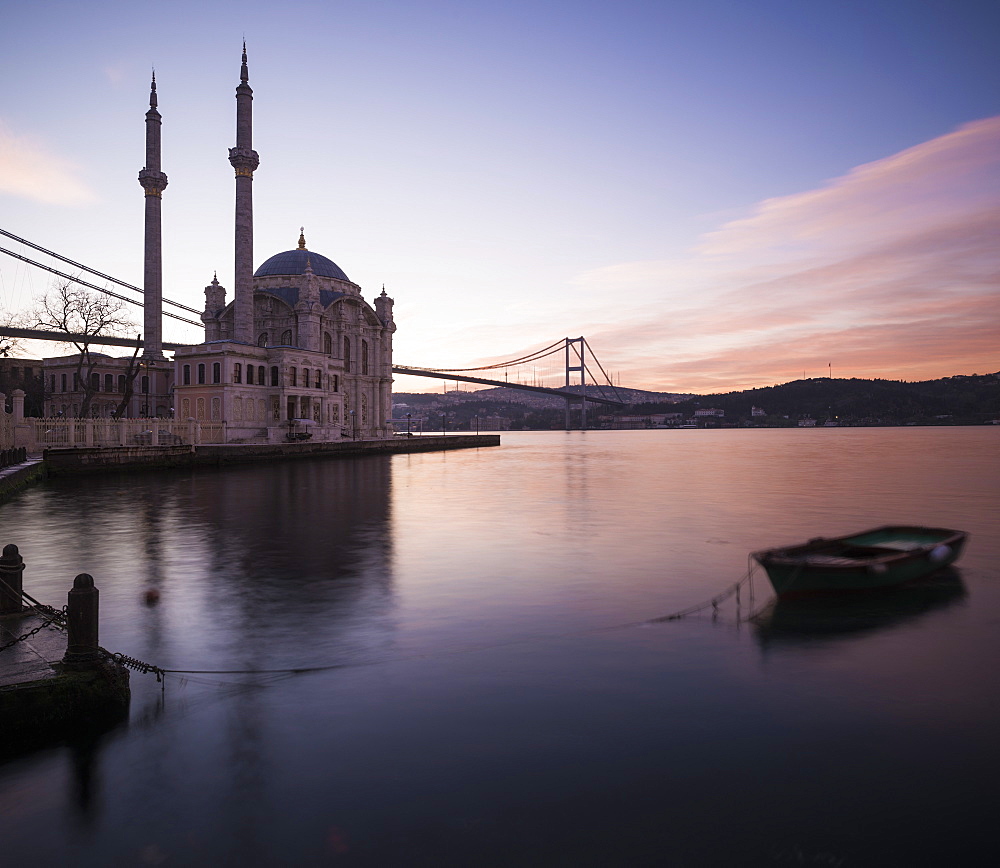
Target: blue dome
(293, 262)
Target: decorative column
(215, 303)
(244, 160)
(383, 307)
(154, 182)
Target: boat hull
(870, 560)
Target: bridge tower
(577, 347)
(153, 182)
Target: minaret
(154, 182)
(244, 160)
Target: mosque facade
(296, 353)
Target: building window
(275, 381)
(319, 379)
(216, 372)
(237, 373)
(305, 377)
(145, 385)
(186, 408)
(76, 382)
(364, 357)
(260, 374)
(328, 343)
(187, 375)
(262, 339)
(109, 382)
(249, 375)
(201, 381)
(52, 383)
(216, 409)
(95, 382)
(295, 377)
(121, 383)
(286, 338)
(347, 355)
(201, 408)
(62, 382)
(336, 383)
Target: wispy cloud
(892, 270)
(30, 170)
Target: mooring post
(11, 574)
(82, 649)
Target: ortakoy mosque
(297, 347)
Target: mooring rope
(137, 665)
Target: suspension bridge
(570, 362)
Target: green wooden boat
(877, 558)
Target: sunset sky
(719, 195)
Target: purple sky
(717, 194)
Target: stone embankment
(89, 460)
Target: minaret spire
(244, 160)
(153, 182)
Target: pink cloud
(892, 271)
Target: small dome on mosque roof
(293, 262)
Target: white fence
(38, 434)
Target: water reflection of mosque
(821, 620)
(298, 550)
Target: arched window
(347, 355)
(62, 382)
(216, 409)
(328, 343)
(121, 382)
(364, 357)
(286, 338)
(201, 408)
(95, 382)
(216, 372)
(305, 377)
(186, 408)
(249, 375)
(76, 382)
(237, 373)
(187, 375)
(52, 383)
(109, 382)
(260, 375)
(201, 381)
(294, 377)
(275, 381)
(319, 379)
(262, 339)
(145, 385)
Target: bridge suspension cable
(551, 349)
(103, 289)
(100, 274)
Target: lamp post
(477, 424)
(407, 424)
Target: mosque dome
(293, 262)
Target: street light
(407, 424)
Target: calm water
(483, 706)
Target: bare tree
(84, 318)
(9, 346)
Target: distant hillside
(955, 400)
(952, 400)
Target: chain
(56, 618)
